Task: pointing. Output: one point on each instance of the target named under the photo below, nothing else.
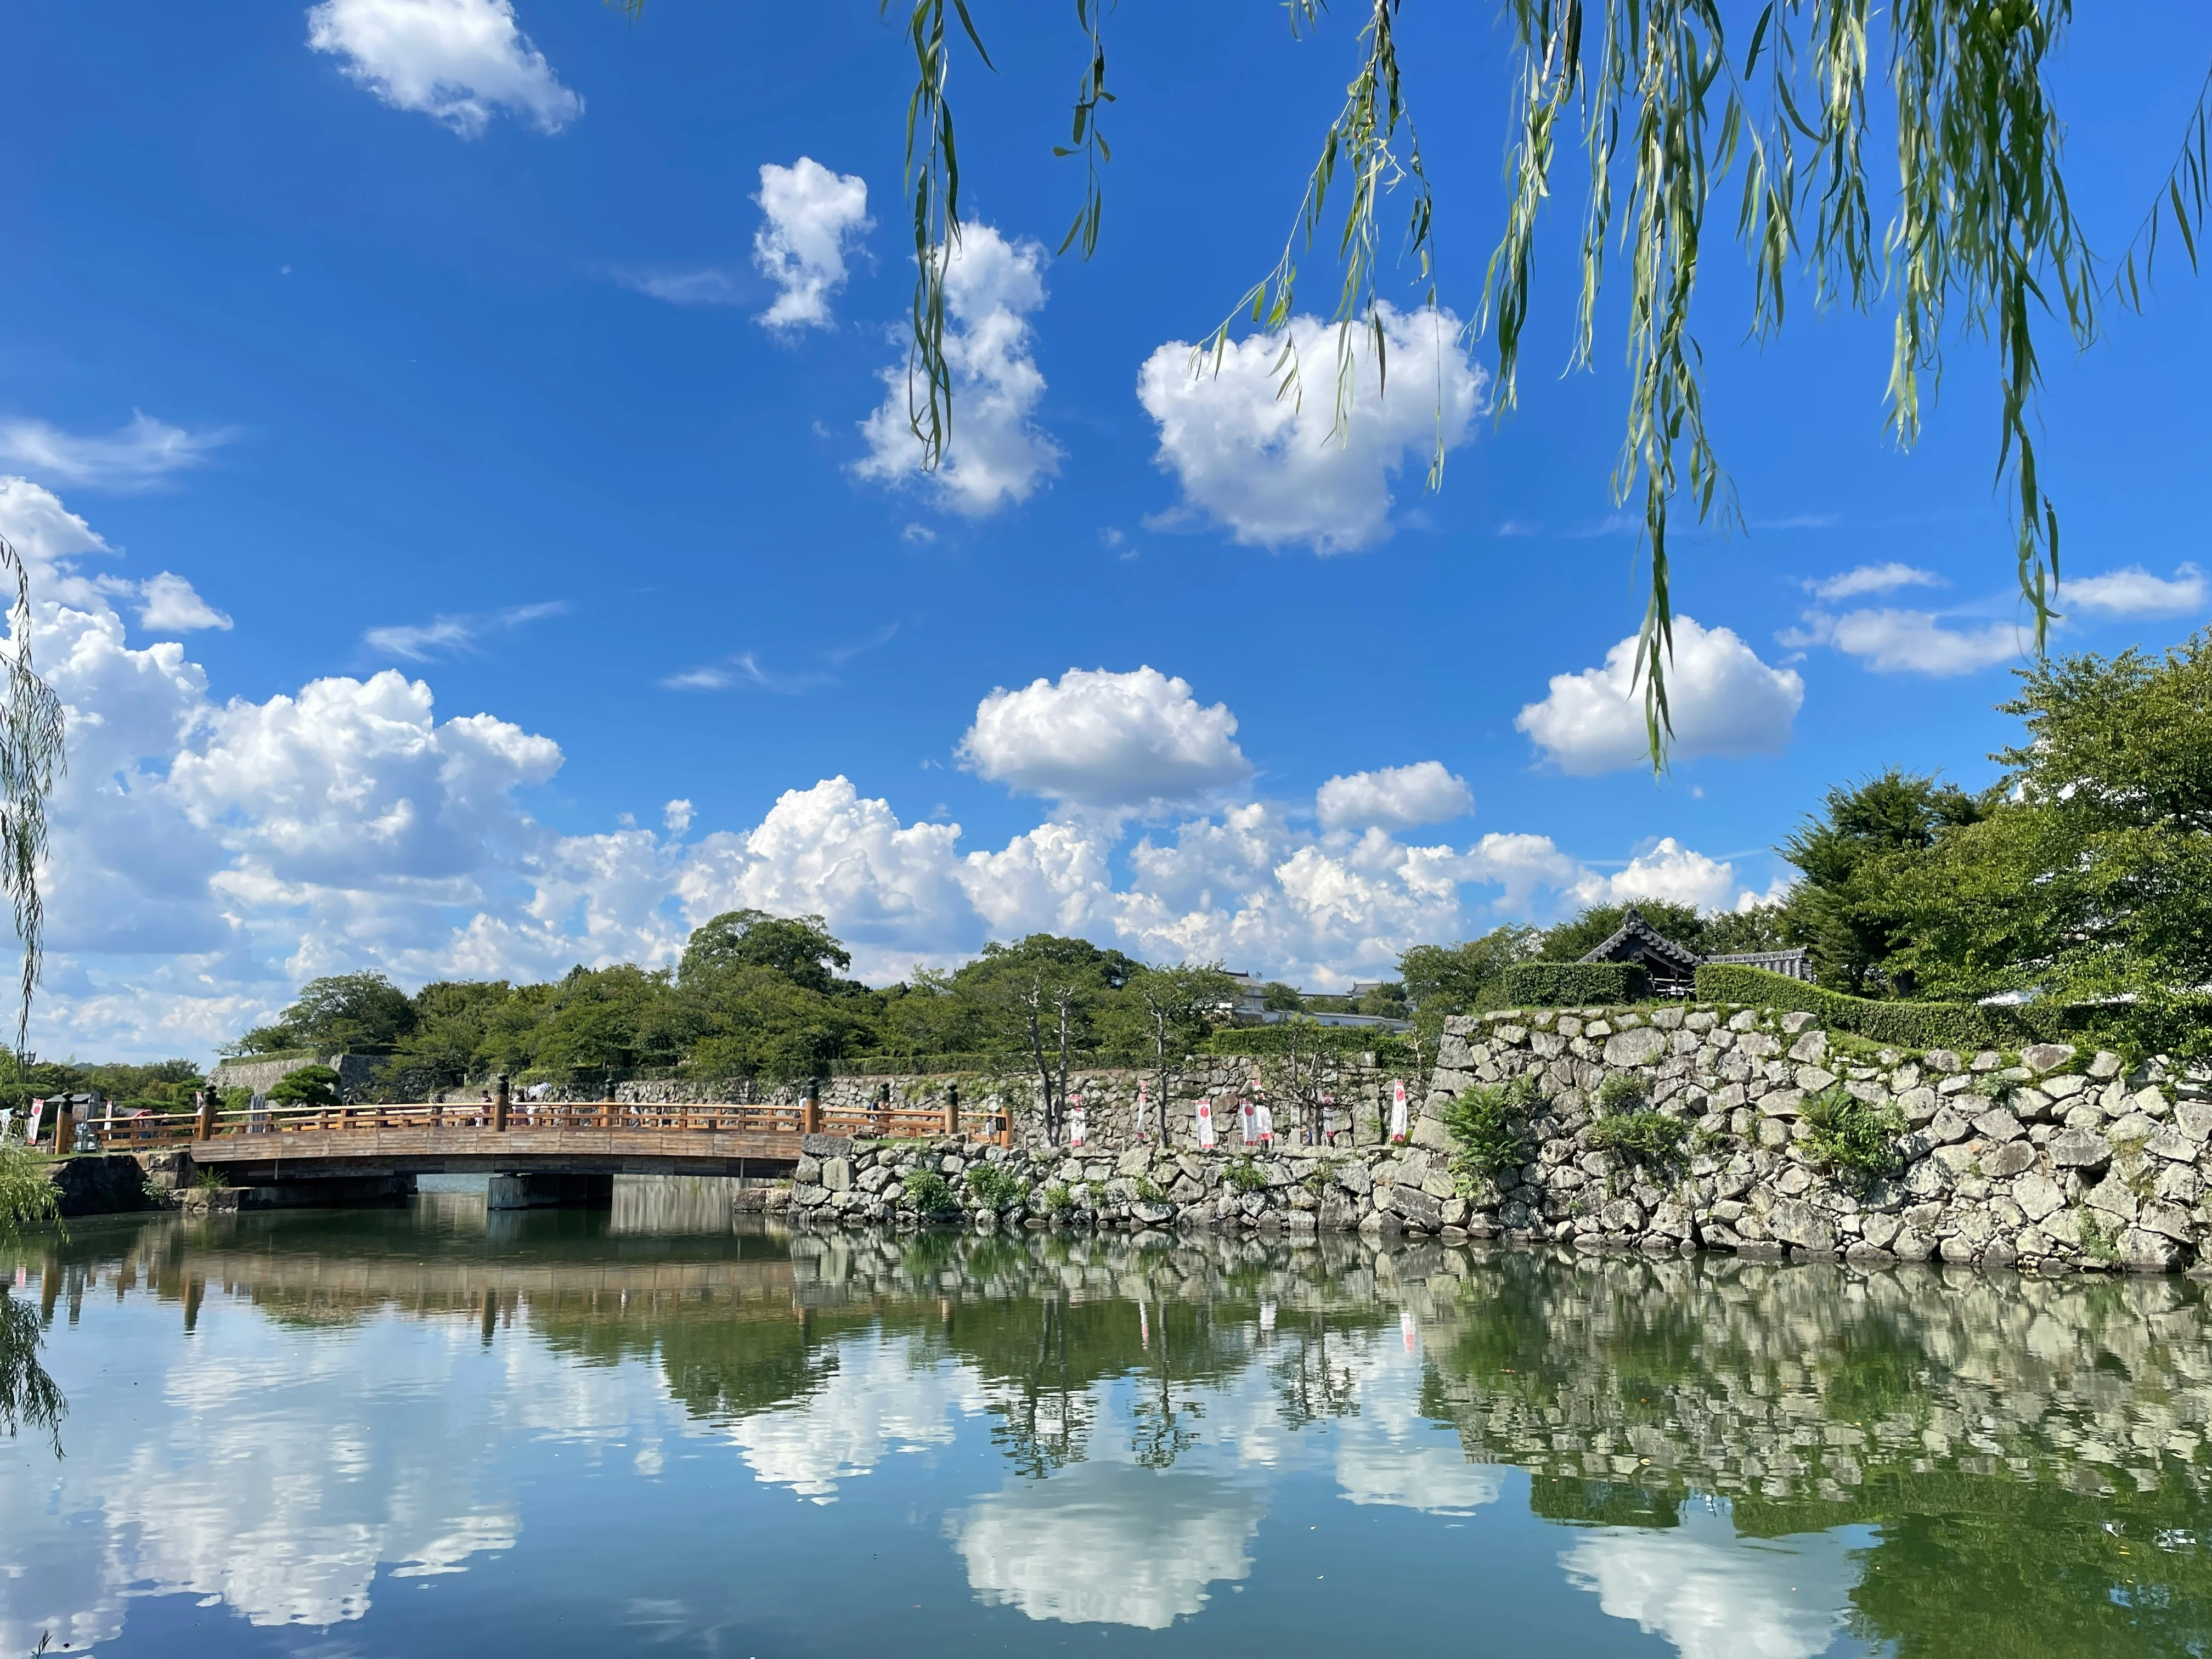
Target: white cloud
(1873, 579)
(1908, 641)
(1108, 1543)
(1101, 739)
(1270, 468)
(997, 454)
(133, 457)
(1671, 872)
(212, 855)
(1393, 796)
(456, 61)
(171, 605)
(446, 635)
(699, 285)
(812, 214)
(2134, 592)
(1725, 702)
(1714, 1595)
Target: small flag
(1206, 1124)
(1075, 1122)
(1327, 1118)
(1398, 1109)
(1142, 1119)
(1249, 1120)
(1263, 1120)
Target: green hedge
(1964, 1026)
(1574, 984)
(1273, 1042)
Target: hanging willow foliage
(31, 759)
(1984, 239)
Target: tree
(310, 1086)
(1983, 240)
(2089, 873)
(1855, 858)
(444, 1045)
(343, 1012)
(1455, 979)
(1277, 998)
(798, 947)
(1180, 1005)
(1043, 992)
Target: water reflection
(304, 1417)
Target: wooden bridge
(392, 1145)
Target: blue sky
(425, 337)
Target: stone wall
(1108, 1094)
(2049, 1159)
(357, 1073)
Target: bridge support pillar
(549, 1192)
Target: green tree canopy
(798, 947)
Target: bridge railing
(150, 1130)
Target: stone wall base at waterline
(2049, 1160)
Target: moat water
(434, 1431)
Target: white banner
(1075, 1122)
(1397, 1109)
(1264, 1121)
(31, 1134)
(1205, 1125)
(1142, 1120)
(1408, 1329)
(1249, 1121)
(1327, 1119)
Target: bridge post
(499, 1102)
(952, 1109)
(204, 1128)
(809, 1112)
(65, 1130)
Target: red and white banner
(1327, 1118)
(1075, 1122)
(1397, 1109)
(1205, 1125)
(1249, 1121)
(1263, 1121)
(31, 1134)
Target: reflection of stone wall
(1810, 1382)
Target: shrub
(1854, 1138)
(1490, 1123)
(995, 1186)
(929, 1192)
(1057, 1197)
(1621, 1092)
(1245, 1175)
(1149, 1191)
(311, 1085)
(1574, 984)
(1642, 1137)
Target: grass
(1643, 1137)
(995, 1186)
(1245, 1176)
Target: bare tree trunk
(1034, 1001)
(1064, 1001)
